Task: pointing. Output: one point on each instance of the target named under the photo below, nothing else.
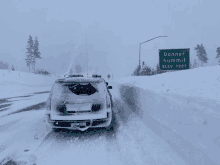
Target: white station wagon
(79, 103)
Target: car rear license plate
(78, 107)
(78, 124)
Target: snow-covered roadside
(15, 83)
(184, 113)
(138, 143)
(21, 134)
(131, 143)
(16, 90)
(24, 103)
(201, 82)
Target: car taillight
(106, 103)
(49, 104)
(96, 107)
(61, 107)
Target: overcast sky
(113, 28)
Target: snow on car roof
(80, 79)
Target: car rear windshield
(80, 88)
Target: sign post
(174, 59)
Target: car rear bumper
(70, 122)
(79, 116)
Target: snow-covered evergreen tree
(153, 72)
(195, 64)
(4, 65)
(36, 49)
(32, 52)
(36, 53)
(218, 54)
(137, 71)
(12, 68)
(146, 70)
(29, 53)
(158, 70)
(201, 53)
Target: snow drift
(15, 83)
(181, 107)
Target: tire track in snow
(2, 100)
(130, 152)
(76, 145)
(2, 106)
(9, 124)
(29, 108)
(41, 148)
(135, 97)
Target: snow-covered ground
(182, 107)
(15, 83)
(165, 119)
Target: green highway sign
(174, 59)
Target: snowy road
(24, 139)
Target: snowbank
(15, 83)
(181, 107)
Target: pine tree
(158, 70)
(153, 72)
(195, 65)
(218, 54)
(36, 53)
(201, 53)
(36, 49)
(4, 65)
(146, 71)
(137, 71)
(29, 53)
(12, 68)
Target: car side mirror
(109, 87)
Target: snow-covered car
(79, 103)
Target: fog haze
(113, 30)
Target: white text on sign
(167, 66)
(174, 60)
(181, 66)
(173, 54)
